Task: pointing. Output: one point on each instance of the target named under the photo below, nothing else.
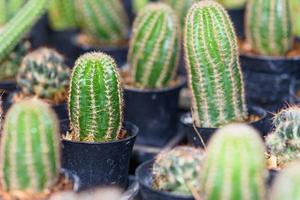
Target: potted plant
(269, 55)
(98, 146)
(30, 153)
(150, 81)
(214, 74)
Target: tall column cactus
(95, 101)
(235, 166)
(154, 47)
(30, 147)
(214, 72)
(8, 8)
(269, 26)
(103, 20)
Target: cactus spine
(62, 15)
(284, 142)
(214, 72)
(103, 20)
(235, 166)
(30, 154)
(154, 48)
(269, 27)
(95, 101)
(8, 8)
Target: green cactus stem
(235, 166)
(96, 99)
(154, 48)
(214, 72)
(8, 8)
(233, 4)
(30, 147)
(295, 11)
(139, 5)
(269, 27)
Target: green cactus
(13, 32)
(284, 142)
(154, 47)
(177, 170)
(295, 10)
(96, 99)
(214, 72)
(139, 5)
(30, 147)
(44, 74)
(235, 165)
(286, 184)
(233, 4)
(269, 27)
(62, 15)
(8, 8)
(104, 21)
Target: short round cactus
(178, 170)
(44, 74)
(30, 147)
(96, 99)
(235, 166)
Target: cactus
(96, 99)
(284, 142)
(286, 185)
(295, 10)
(62, 15)
(12, 33)
(8, 8)
(102, 20)
(269, 27)
(155, 45)
(44, 74)
(233, 4)
(235, 166)
(214, 72)
(30, 147)
(177, 170)
(139, 5)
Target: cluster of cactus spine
(62, 15)
(269, 27)
(286, 184)
(284, 142)
(105, 21)
(30, 147)
(178, 170)
(214, 72)
(96, 99)
(235, 166)
(44, 74)
(8, 8)
(155, 45)
(12, 33)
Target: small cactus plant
(235, 166)
(286, 185)
(102, 20)
(62, 15)
(44, 74)
(284, 142)
(269, 27)
(155, 45)
(8, 9)
(30, 147)
(177, 170)
(214, 72)
(96, 99)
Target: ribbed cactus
(214, 72)
(233, 4)
(62, 15)
(284, 142)
(269, 27)
(13, 32)
(96, 99)
(235, 165)
(8, 8)
(44, 74)
(178, 170)
(154, 47)
(139, 5)
(295, 11)
(103, 20)
(30, 147)
(286, 185)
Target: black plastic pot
(155, 112)
(294, 92)
(100, 164)
(8, 85)
(237, 16)
(72, 177)
(261, 125)
(129, 10)
(272, 176)
(38, 35)
(145, 178)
